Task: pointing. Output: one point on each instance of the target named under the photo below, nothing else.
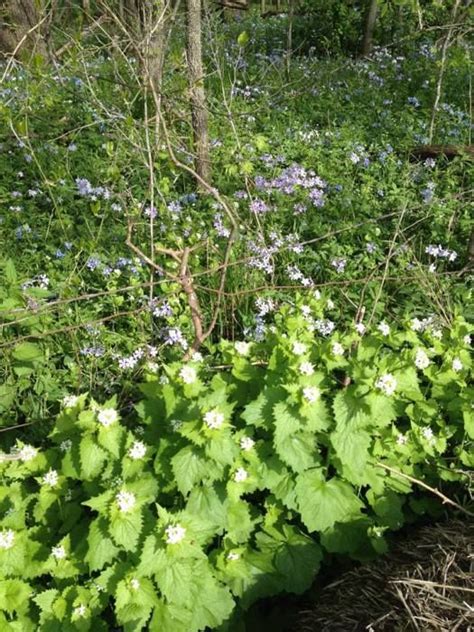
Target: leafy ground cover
(338, 370)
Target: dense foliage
(232, 485)
(143, 490)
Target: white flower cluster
(188, 374)
(107, 417)
(240, 475)
(242, 348)
(174, 534)
(402, 439)
(422, 325)
(27, 453)
(70, 401)
(421, 359)
(134, 583)
(137, 451)
(7, 538)
(383, 328)
(58, 552)
(311, 394)
(457, 365)
(306, 368)
(299, 348)
(232, 556)
(246, 443)
(360, 328)
(337, 349)
(79, 611)
(387, 384)
(51, 478)
(214, 419)
(428, 434)
(125, 501)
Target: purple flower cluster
(441, 253)
(85, 189)
(160, 309)
(94, 352)
(174, 336)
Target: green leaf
(14, 595)
(112, 439)
(92, 457)
(296, 557)
(322, 503)
(27, 352)
(125, 528)
(295, 448)
(239, 523)
(189, 468)
(243, 38)
(45, 600)
(101, 549)
(351, 448)
(10, 272)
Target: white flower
(70, 401)
(299, 348)
(306, 310)
(27, 453)
(360, 328)
(137, 451)
(51, 478)
(437, 333)
(467, 340)
(197, 357)
(387, 384)
(152, 367)
(233, 556)
(330, 304)
(59, 552)
(107, 416)
(421, 359)
(134, 583)
(246, 443)
(242, 348)
(457, 365)
(432, 268)
(174, 534)
(188, 374)
(79, 611)
(317, 294)
(311, 393)
(417, 324)
(337, 349)
(384, 328)
(214, 419)
(427, 434)
(126, 501)
(402, 439)
(240, 475)
(65, 445)
(7, 539)
(306, 368)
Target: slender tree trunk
(369, 26)
(196, 89)
(18, 19)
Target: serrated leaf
(189, 468)
(92, 457)
(14, 595)
(323, 503)
(125, 528)
(112, 439)
(351, 450)
(239, 523)
(101, 549)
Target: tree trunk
(369, 26)
(196, 89)
(18, 19)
